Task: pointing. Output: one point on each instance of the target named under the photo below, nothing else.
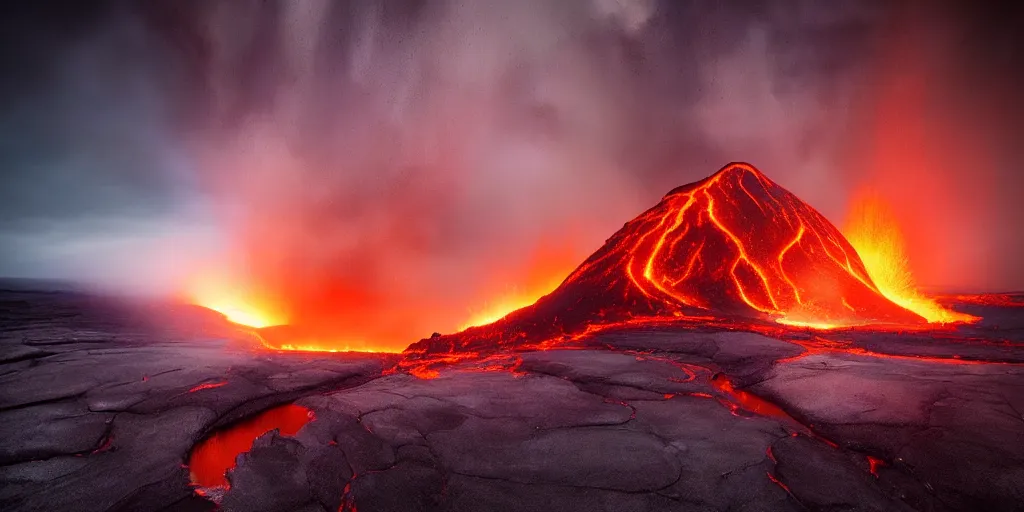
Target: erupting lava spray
(873, 231)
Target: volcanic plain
(696, 362)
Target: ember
(207, 385)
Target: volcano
(734, 245)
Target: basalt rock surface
(99, 411)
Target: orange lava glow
(733, 246)
(873, 232)
(324, 347)
(542, 273)
(809, 325)
(211, 459)
(235, 301)
(341, 318)
(873, 464)
(208, 385)
(295, 339)
(746, 400)
(507, 303)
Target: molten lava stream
(211, 459)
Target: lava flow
(211, 459)
(735, 245)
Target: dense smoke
(402, 161)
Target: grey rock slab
(827, 479)
(599, 457)
(475, 494)
(270, 477)
(618, 375)
(936, 425)
(48, 430)
(407, 486)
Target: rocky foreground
(101, 403)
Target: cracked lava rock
(100, 411)
(656, 378)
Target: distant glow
(244, 315)
(238, 304)
(509, 302)
(330, 347)
(342, 315)
(874, 233)
(809, 325)
(540, 275)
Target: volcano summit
(733, 245)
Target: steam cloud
(389, 154)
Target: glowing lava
(875, 235)
(211, 459)
(300, 339)
(737, 243)
(734, 245)
(339, 314)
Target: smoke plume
(385, 169)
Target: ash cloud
(392, 151)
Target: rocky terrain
(101, 403)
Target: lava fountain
(876, 236)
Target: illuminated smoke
(395, 167)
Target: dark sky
(430, 141)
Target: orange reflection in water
(211, 459)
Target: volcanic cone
(734, 245)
